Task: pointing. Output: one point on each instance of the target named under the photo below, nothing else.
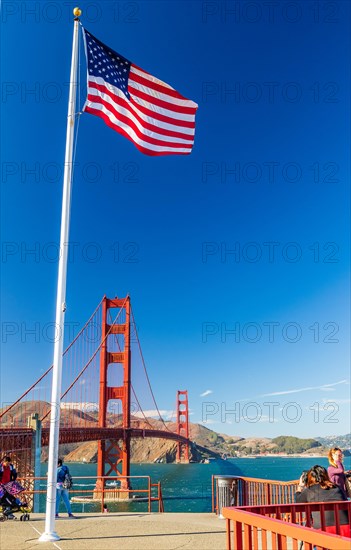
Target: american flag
(147, 111)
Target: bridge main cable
(147, 376)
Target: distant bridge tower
(113, 455)
(182, 425)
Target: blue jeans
(61, 492)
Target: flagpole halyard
(50, 534)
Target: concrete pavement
(120, 531)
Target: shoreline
(296, 455)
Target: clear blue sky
(249, 234)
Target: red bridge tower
(182, 425)
(113, 455)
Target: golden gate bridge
(106, 386)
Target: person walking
(61, 491)
(321, 489)
(336, 470)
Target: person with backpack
(63, 484)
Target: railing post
(238, 536)
(102, 484)
(214, 488)
(228, 535)
(149, 487)
(268, 495)
(160, 498)
(244, 494)
(35, 424)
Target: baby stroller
(10, 503)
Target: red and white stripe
(157, 119)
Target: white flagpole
(49, 533)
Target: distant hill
(342, 441)
(206, 442)
(292, 445)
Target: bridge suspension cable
(147, 376)
(6, 411)
(89, 362)
(81, 380)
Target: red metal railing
(99, 493)
(278, 527)
(251, 491)
(159, 497)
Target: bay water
(186, 487)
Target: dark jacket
(315, 493)
(61, 472)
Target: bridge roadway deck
(122, 531)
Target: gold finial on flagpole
(77, 12)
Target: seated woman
(321, 489)
(302, 483)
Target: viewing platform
(154, 531)
(125, 531)
(263, 516)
